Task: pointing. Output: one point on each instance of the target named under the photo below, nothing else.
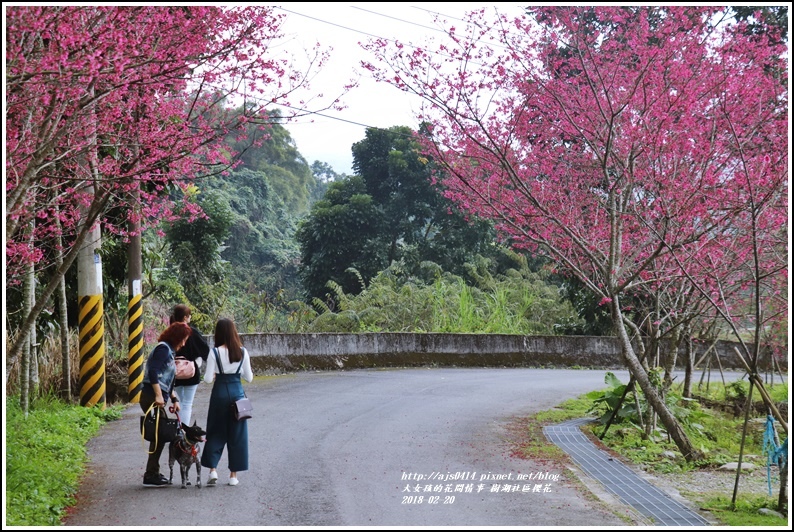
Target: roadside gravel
(698, 486)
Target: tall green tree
(195, 244)
(341, 232)
(324, 175)
(390, 211)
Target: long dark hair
(226, 334)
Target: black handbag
(157, 427)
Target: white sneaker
(233, 481)
(213, 478)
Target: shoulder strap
(242, 358)
(218, 359)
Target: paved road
(347, 448)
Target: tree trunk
(66, 360)
(66, 356)
(671, 357)
(24, 340)
(689, 360)
(33, 364)
(671, 424)
(33, 357)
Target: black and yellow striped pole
(135, 357)
(91, 322)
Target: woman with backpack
(195, 351)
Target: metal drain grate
(619, 479)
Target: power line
(317, 113)
(347, 28)
(333, 24)
(399, 19)
(437, 13)
(372, 35)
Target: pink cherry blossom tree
(617, 140)
(107, 103)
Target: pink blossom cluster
(645, 149)
(117, 108)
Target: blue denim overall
(222, 428)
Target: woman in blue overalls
(227, 364)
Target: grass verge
(46, 457)
(715, 432)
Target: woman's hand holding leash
(174, 405)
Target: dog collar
(193, 447)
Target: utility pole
(135, 308)
(91, 321)
(91, 318)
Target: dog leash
(179, 429)
(193, 450)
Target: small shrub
(614, 400)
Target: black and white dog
(185, 451)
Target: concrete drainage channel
(620, 480)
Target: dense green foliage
(270, 150)
(340, 233)
(241, 260)
(46, 457)
(194, 255)
(516, 302)
(277, 236)
(390, 211)
(595, 319)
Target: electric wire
(372, 35)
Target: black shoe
(151, 480)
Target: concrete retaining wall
(272, 352)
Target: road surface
(393, 447)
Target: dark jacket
(196, 347)
(160, 368)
